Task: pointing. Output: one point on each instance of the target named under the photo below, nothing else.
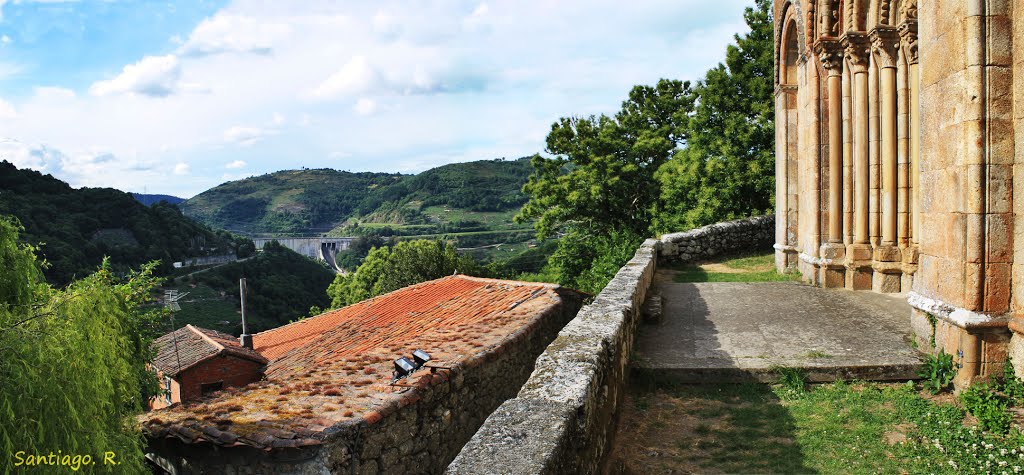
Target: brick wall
(231, 370)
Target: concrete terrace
(726, 331)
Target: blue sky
(177, 97)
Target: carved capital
(857, 48)
(781, 89)
(908, 33)
(830, 53)
(885, 42)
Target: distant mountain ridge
(153, 199)
(319, 200)
(75, 228)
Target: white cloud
(154, 76)
(355, 77)
(181, 168)
(385, 25)
(35, 156)
(7, 110)
(478, 20)
(9, 70)
(365, 106)
(229, 33)
(4, 39)
(245, 136)
(235, 164)
(49, 93)
(94, 168)
(457, 81)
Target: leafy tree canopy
(72, 361)
(601, 176)
(281, 286)
(673, 158)
(390, 268)
(727, 168)
(76, 229)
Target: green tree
(601, 175)
(727, 168)
(409, 262)
(599, 191)
(72, 361)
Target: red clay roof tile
(337, 365)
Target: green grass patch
(742, 268)
(831, 428)
(701, 275)
(206, 308)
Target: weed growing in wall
(793, 381)
(938, 371)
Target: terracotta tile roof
(195, 345)
(337, 366)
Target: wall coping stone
(563, 419)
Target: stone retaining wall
(564, 418)
(755, 233)
(561, 420)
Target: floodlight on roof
(421, 357)
(403, 367)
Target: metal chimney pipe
(246, 338)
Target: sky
(178, 97)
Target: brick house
(192, 362)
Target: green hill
(154, 199)
(76, 228)
(461, 197)
(290, 201)
(282, 286)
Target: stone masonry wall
(418, 433)
(719, 238)
(564, 418)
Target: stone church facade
(899, 134)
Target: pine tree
(727, 168)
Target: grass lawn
(831, 428)
(743, 268)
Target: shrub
(990, 407)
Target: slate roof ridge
(523, 283)
(409, 288)
(206, 337)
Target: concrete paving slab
(726, 331)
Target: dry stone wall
(757, 233)
(564, 418)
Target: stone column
(832, 252)
(888, 275)
(908, 35)
(858, 50)
(781, 172)
(908, 43)
(848, 100)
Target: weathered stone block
(886, 283)
(859, 279)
